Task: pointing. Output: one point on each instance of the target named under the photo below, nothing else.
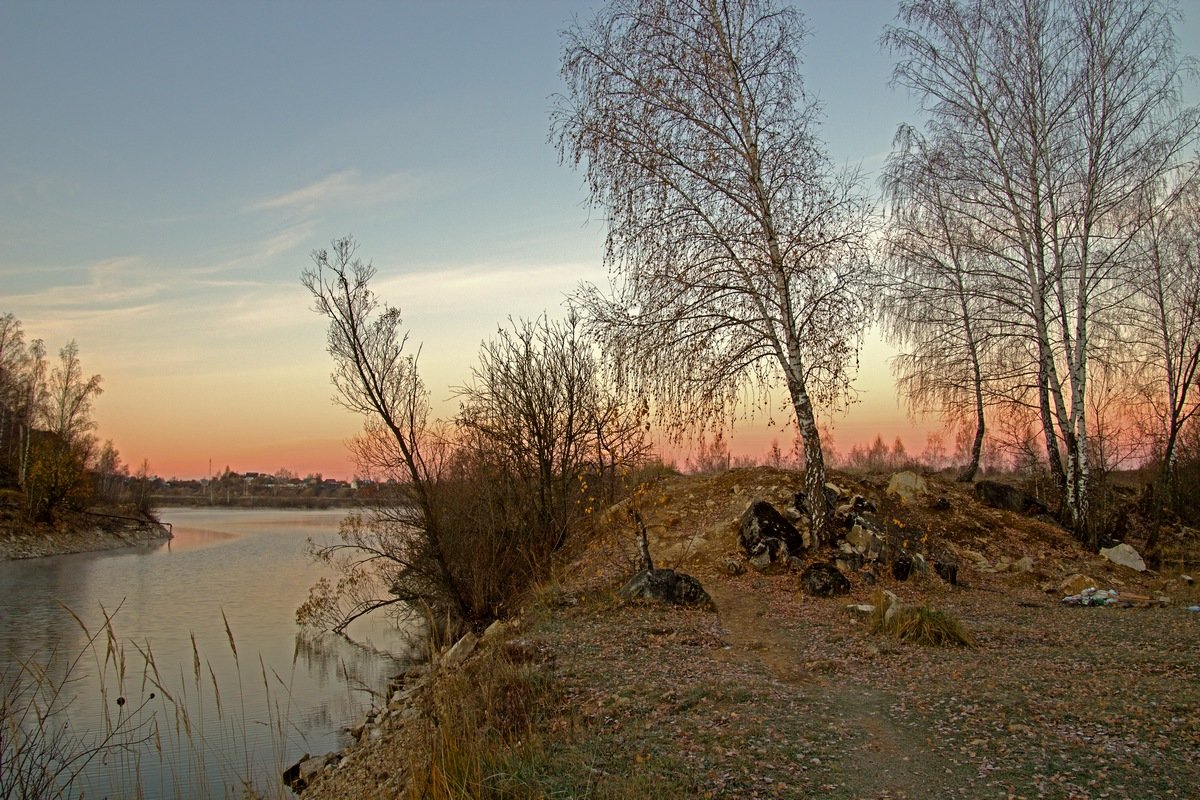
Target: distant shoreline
(314, 503)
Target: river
(197, 712)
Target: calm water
(281, 696)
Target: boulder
(1008, 497)
(947, 570)
(1023, 564)
(763, 530)
(1124, 555)
(299, 775)
(497, 630)
(907, 486)
(824, 580)
(666, 586)
(461, 650)
(857, 505)
(865, 542)
(902, 566)
(832, 493)
(1075, 584)
(848, 562)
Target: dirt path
(885, 759)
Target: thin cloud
(347, 187)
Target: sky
(167, 169)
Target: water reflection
(229, 574)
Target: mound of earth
(782, 694)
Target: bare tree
(401, 545)
(536, 402)
(935, 302)
(1164, 322)
(1055, 114)
(737, 250)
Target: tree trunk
(814, 459)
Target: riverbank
(77, 532)
(778, 693)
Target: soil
(778, 694)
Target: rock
(1075, 584)
(299, 775)
(947, 570)
(1008, 497)
(666, 586)
(461, 650)
(907, 486)
(762, 529)
(902, 566)
(1124, 555)
(734, 567)
(857, 505)
(919, 565)
(832, 493)
(848, 562)
(940, 503)
(824, 580)
(860, 609)
(865, 542)
(496, 630)
(1023, 564)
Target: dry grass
(917, 624)
(482, 729)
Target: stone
(734, 567)
(1023, 564)
(1075, 584)
(767, 558)
(860, 609)
(940, 503)
(761, 522)
(1008, 497)
(299, 775)
(461, 650)
(824, 580)
(857, 505)
(947, 570)
(920, 566)
(902, 566)
(848, 563)
(865, 542)
(800, 500)
(1124, 555)
(907, 486)
(666, 586)
(496, 630)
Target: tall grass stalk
(150, 737)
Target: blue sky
(167, 167)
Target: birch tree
(737, 252)
(1164, 322)
(1057, 113)
(935, 303)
